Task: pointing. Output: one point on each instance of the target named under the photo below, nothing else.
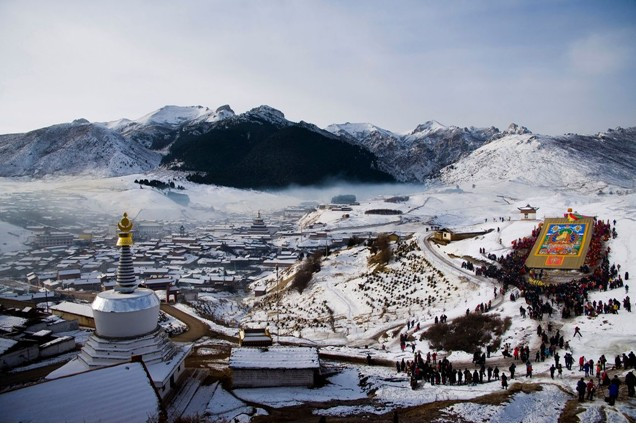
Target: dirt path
(196, 328)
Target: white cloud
(599, 54)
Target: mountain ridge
(580, 162)
(431, 150)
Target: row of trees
(159, 184)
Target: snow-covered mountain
(200, 139)
(420, 154)
(260, 148)
(574, 161)
(160, 128)
(120, 147)
(79, 147)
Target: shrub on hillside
(381, 250)
(303, 276)
(354, 241)
(468, 333)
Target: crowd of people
(573, 295)
(430, 369)
(599, 370)
(541, 300)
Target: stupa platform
(100, 351)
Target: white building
(274, 366)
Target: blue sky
(553, 66)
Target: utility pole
(277, 307)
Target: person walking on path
(552, 369)
(613, 389)
(580, 388)
(504, 381)
(630, 381)
(577, 330)
(512, 370)
(591, 388)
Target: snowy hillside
(350, 302)
(72, 149)
(573, 161)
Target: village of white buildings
(183, 319)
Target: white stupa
(126, 327)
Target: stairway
(186, 392)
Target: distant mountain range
(260, 148)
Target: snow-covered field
(12, 238)
(544, 406)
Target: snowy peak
(516, 129)
(158, 129)
(429, 127)
(358, 130)
(224, 110)
(179, 115)
(266, 113)
(419, 154)
(171, 116)
(463, 153)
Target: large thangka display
(562, 244)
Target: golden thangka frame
(562, 244)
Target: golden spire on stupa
(125, 231)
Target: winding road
(448, 267)
(196, 327)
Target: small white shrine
(528, 212)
